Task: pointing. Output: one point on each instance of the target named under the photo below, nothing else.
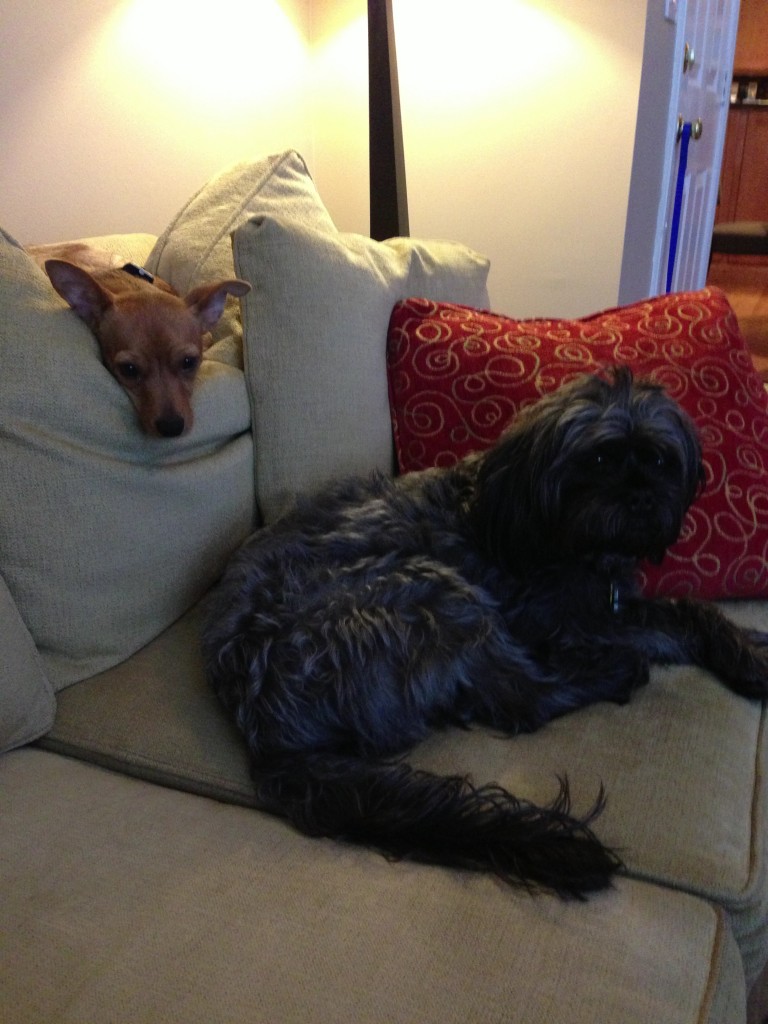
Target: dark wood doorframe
(388, 195)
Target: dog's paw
(749, 676)
(757, 638)
(624, 684)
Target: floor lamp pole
(389, 200)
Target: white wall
(519, 121)
(113, 112)
(519, 124)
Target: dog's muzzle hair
(498, 592)
(590, 468)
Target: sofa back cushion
(315, 343)
(196, 246)
(106, 535)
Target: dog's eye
(128, 371)
(653, 458)
(189, 364)
(605, 458)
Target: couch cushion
(196, 246)
(125, 902)
(154, 716)
(27, 703)
(315, 336)
(457, 377)
(683, 764)
(684, 769)
(106, 535)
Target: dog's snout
(170, 426)
(641, 501)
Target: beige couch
(137, 884)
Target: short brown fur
(151, 339)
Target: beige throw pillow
(196, 247)
(315, 344)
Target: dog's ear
(517, 506)
(672, 425)
(206, 301)
(691, 455)
(515, 501)
(83, 293)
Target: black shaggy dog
(499, 591)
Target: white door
(709, 40)
(667, 91)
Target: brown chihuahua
(151, 339)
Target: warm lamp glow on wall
(466, 72)
(227, 53)
(457, 55)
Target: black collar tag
(136, 271)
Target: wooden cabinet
(751, 57)
(744, 176)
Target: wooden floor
(744, 279)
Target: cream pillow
(196, 247)
(106, 535)
(27, 703)
(315, 344)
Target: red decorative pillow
(458, 376)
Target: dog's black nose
(641, 501)
(170, 426)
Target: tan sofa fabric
(181, 909)
(27, 702)
(155, 716)
(681, 813)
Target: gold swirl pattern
(458, 376)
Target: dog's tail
(412, 814)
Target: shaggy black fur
(499, 591)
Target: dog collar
(136, 271)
